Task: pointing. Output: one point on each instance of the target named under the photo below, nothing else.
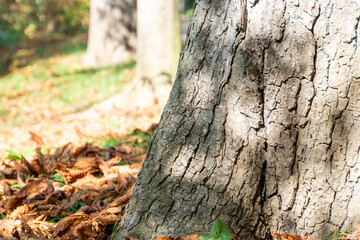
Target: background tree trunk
(261, 129)
(112, 32)
(158, 49)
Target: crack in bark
(356, 33)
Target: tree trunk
(158, 49)
(262, 126)
(112, 32)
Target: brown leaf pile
(36, 204)
(287, 236)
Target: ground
(49, 93)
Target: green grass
(136, 139)
(56, 219)
(342, 234)
(76, 206)
(51, 77)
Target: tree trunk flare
(262, 126)
(112, 32)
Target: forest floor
(49, 93)
(69, 156)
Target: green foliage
(342, 234)
(110, 141)
(56, 219)
(57, 178)
(13, 155)
(78, 204)
(219, 231)
(122, 162)
(15, 186)
(189, 8)
(28, 19)
(2, 216)
(139, 139)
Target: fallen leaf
(127, 237)
(66, 223)
(8, 227)
(286, 236)
(37, 139)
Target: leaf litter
(72, 193)
(80, 192)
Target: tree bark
(112, 32)
(262, 126)
(158, 49)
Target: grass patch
(50, 80)
(342, 234)
(137, 140)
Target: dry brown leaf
(52, 210)
(46, 228)
(36, 232)
(113, 210)
(68, 222)
(62, 152)
(42, 217)
(103, 166)
(34, 188)
(125, 149)
(54, 197)
(25, 228)
(13, 202)
(84, 209)
(37, 139)
(85, 231)
(19, 168)
(113, 161)
(79, 151)
(5, 188)
(8, 227)
(127, 237)
(286, 236)
(20, 211)
(28, 165)
(87, 181)
(108, 219)
(88, 164)
(70, 175)
(123, 198)
(190, 237)
(37, 200)
(42, 162)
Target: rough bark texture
(112, 32)
(262, 127)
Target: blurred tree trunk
(112, 32)
(158, 49)
(262, 126)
